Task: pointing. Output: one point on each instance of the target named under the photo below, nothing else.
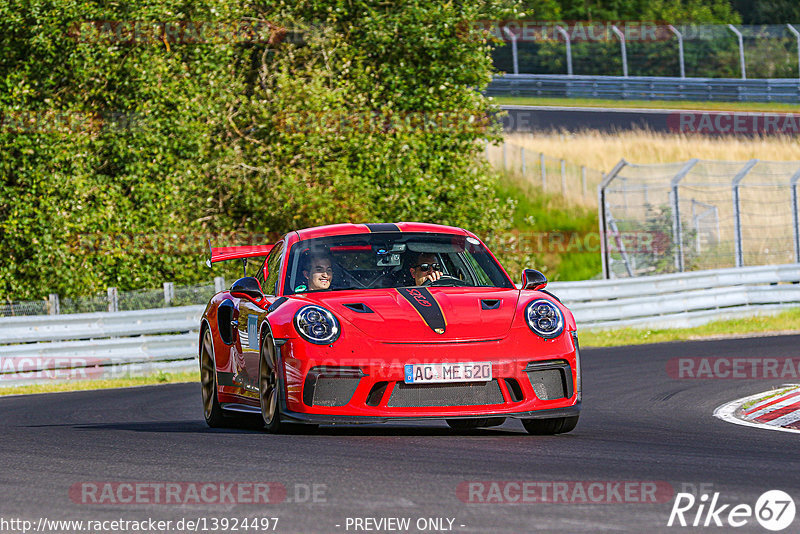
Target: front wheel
(269, 387)
(547, 427)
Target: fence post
(544, 171)
(680, 49)
(796, 224)
(741, 50)
(113, 299)
(219, 284)
(797, 36)
(563, 178)
(522, 157)
(737, 219)
(169, 293)
(565, 35)
(603, 216)
(677, 228)
(621, 38)
(511, 35)
(53, 304)
(583, 180)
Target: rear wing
(218, 254)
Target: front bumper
(532, 378)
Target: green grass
(782, 323)
(81, 385)
(653, 104)
(547, 217)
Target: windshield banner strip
(426, 306)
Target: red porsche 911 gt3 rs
(367, 323)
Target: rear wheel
(546, 427)
(469, 424)
(269, 387)
(212, 411)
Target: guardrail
(681, 299)
(646, 88)
(106, 345)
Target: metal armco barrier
(681, 299)
(646, 88)
(38, 349)
(106, 345)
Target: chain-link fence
(577, 183)
(648, 49)
(113, 300)
(699, 215)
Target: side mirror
(247, 286)
(533, 279)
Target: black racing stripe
(382, 227)
(426, 305)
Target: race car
(374, 323)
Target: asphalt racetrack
(638, 426)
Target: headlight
(316, 325)
(544, 318)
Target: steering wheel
(445, 280)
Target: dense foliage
(121, 153)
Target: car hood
(425, 314)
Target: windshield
(391, 259)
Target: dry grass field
(602, 151)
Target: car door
(250, 317)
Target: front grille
(466, 394)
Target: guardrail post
(113, 299)
(544, 171)
(737, 218)
(219, 284)
(677, 228)
(796, 36)
(563, 178)
(621, 38)
(741, 50)
(565, 35)
(680, 49)
(53, 304)
(169, 293)
(603, 215)
(796, 224)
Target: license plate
(429, 373)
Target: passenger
(425, 268)
(318, 272)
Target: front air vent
(359, 307)
(551, 379)
(330, 386)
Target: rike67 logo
(774, 510)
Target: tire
(470, 424)
(212, 411)
(548, 427)
(269, 390)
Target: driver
(318, 272)
(425, 268)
